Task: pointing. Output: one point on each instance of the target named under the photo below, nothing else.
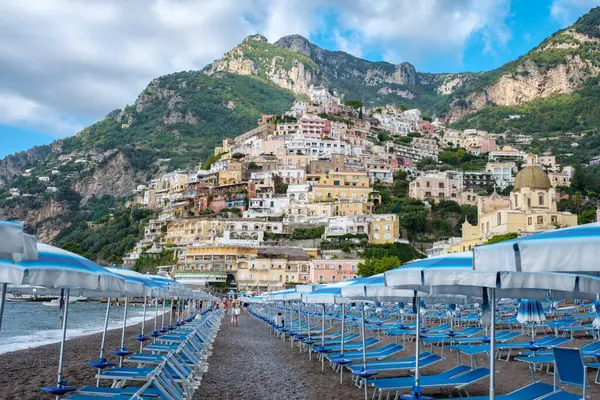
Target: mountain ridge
(179, 118)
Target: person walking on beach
(235, 311)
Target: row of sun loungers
(388, 377)
(169, 369)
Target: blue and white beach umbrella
(531, 312)
(55, 268)
(596, 322)
(15, 246)
(561, 250)
(58, 268)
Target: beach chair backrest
(570, 367)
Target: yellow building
(187, 231)
(530, 208)
(232, 175)
(199, 265)
(384, 228)
(298, 212)
(340, 185)
(227, 143)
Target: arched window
(499, 216)
(541, 198)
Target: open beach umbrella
(370, 289)
(328, 294)
(59, 269)
(410, 276)
(453, 273)
(561, 250)
(15, 246)
(149, 287)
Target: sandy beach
(247, 363)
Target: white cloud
(68, 60)
(351, 44)
(19, 111)
(418, 29)
(567, 11)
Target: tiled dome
(532, 177)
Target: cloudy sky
(66, 63)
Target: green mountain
(295, 64)
(179, 118)
(551, 88)
(176, 122)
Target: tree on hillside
(502, 238)
(356, 104)
(375, 266)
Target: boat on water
(23, 298)
(56, 302)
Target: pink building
(328, 271)
(487, 145)
(312, 124)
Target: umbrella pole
(342, 345)
(416, 390)
(143, 323)
(59, 379)
(292, 327)
(155, 320)
(171, 314)
(493, 344)
(101, 358)
(323, 338)
(2, 301)
(364, 347)
(123, 333)
(162, 322)
(300, 325)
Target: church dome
(532, 177)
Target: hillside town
(295, 199)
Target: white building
(339, 226)
(502, 173)
(267, 207)
(394, 124)
(381, 175)
(443, 246)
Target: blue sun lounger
(369, 342)
(501, 337)
(571, 371)
(396, 366)
(534, 391)
(380, 353)
(542, 343)
(459, 378)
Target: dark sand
(24, 372)
(249, 363)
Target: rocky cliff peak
(296, 43)
(257, 37)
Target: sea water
(31, 324)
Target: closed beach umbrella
(596, 322)
(531, 312)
